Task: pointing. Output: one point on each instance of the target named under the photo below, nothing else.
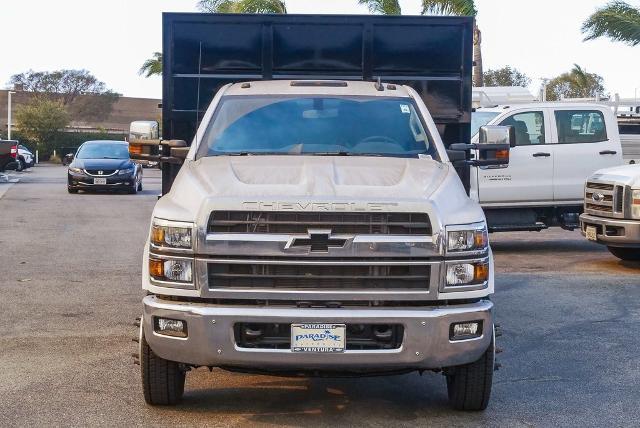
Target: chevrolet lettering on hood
(319, 206)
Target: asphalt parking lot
(70, 289)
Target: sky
(112, 38)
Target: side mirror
(494, 144)
(492, 134)
(492, 148)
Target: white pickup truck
(612, 210)
(558, 145)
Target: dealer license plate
(99, 181)
(318, 337)
(591, 233)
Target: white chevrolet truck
(319, 221)
(612, 210)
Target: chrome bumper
(613, 232)
(211, 341)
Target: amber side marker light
(481, 272)
(156, 268)
(502, 154)
(135, 149)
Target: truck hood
(623, 174)
(318, 176)
(317, 183)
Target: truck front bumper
(611, 231)
(211, 339)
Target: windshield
(481, 118)
(103, 151)
(349, 126)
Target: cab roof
(538, 105)
(318, 87)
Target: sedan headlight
(127, 171)
(472, 238)
(172, 234)
(76, 170)
(635, 203)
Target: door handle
(608, 152)
(541, 155)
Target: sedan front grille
(101, 172)
(284, 222)
(289, 275)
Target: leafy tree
(152, 66)
(506, 76)
(575, 84)
(618, 20)
(81, 93)
(383, 7)
(242, 6)
(439, 7)
(42, 120)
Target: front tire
(162, 380)
(469, 385)
(21, 165)
(72, 190)
(627, 254)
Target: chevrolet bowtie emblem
(317, 241)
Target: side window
(580, 126)
(529, 127)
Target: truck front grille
(358, 336)
(604, 199)
(290, 275)
(285, 222)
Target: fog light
(170, 327)
(465, 330)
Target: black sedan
(104, 165)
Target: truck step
(536, 227)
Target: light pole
(9, 114)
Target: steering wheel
(379, 139)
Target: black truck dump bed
(202, 52)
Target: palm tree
(242, 6)
(152, 66)
(439, 7)
(617, 20)
(460, 8)
(382, 7)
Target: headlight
(127, 171)
(635, 203)
(172, 234)
(76, 170)
(173, 270)
(467, 238)
(466, 275)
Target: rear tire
(627, 254)
(21, 165)
(469, 385)
(162, 380)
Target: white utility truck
(317, 224)
(612, 210)
(558, 145)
